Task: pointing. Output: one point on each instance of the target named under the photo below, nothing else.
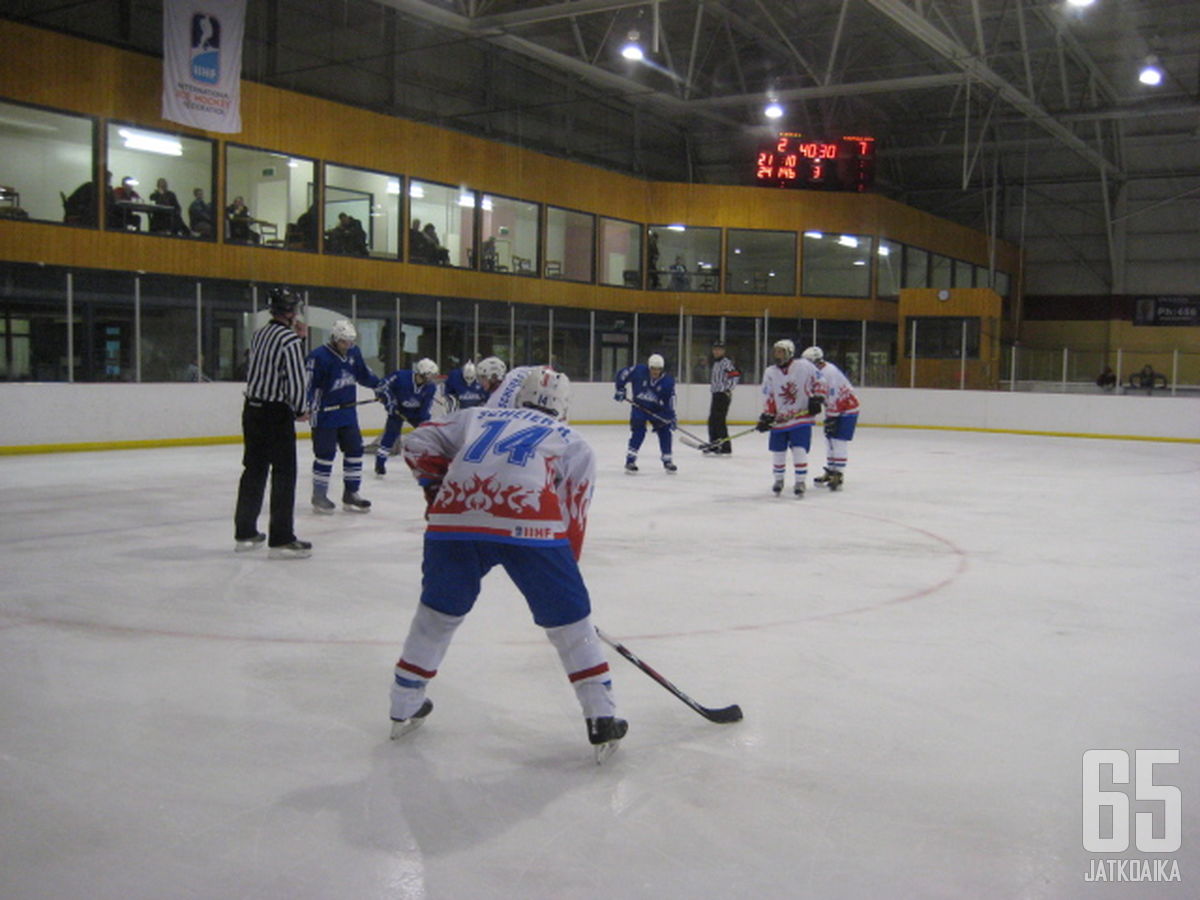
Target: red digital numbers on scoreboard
(793, 160)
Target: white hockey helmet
(490, 371)
(656, 361)
(468, 371)
(787, 346)
(426, 368)
(813, 354)
(547, 391)
(343, 330)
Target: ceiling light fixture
(1152, 73)
(773, 110)
(1080, 3)
(632, 50)
(151, 143)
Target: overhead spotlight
(773, 110)
(1152, 73)
(1080, 3)
(632, 50)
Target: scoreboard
(797, 161)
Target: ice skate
(834, 481)
(670, 466)
(604, 733)
(777, 487)
(293, 550)
(380, 467)
(798, 490)
(401, 727)
(630, 464)
(823, 479)
(352, 502)
(322, 504)
(241, 545)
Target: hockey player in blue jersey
(653, 404)
(463, 389)
(335, 369)
(407, 395)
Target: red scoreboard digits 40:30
(795, 160)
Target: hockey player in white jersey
(841, 417)
(506, 485)
(790, 401)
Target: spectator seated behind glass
(307, 226)
(167, 222)
(348, 237)
(418, 248)
(127, 193)
(679, 276)
(80, 207)
(438, 253)
(1107, 380)
(1147, 379)
(238, 218)
(200, 214)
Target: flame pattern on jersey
(835, 388)
(514, 475)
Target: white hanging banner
(202, 63)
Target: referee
(274, 403)
(725, 376)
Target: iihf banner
(202, 63)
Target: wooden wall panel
(110, 83)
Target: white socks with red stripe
(428, 638)
(582, 657)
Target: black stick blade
(725, 715)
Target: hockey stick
(685, 437)
(723, 716)
(713, 445)
(348, 405)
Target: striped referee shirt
(275, 373)
(725, 375)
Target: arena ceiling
(1024, 118)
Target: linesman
(274, 403)
(724, 376)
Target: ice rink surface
(923, 659)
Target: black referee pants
(717, 428)
(269, 431)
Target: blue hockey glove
(764, 422)
(619, 396)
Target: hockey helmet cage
(547, 391)
(656, 361)
(282, 300)
(468, 371)
(426, 367)
(490, 370)
(343, 330)
(787, 346)
(813, 354)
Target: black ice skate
(604, 734)
(294, 550)
(630, 465)
(401, 727)
(777, 487)
(352, 502)
(798, 490)
(322, 504)
(823, 479)
(241, 545)
(380, 467)
(670, 466)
